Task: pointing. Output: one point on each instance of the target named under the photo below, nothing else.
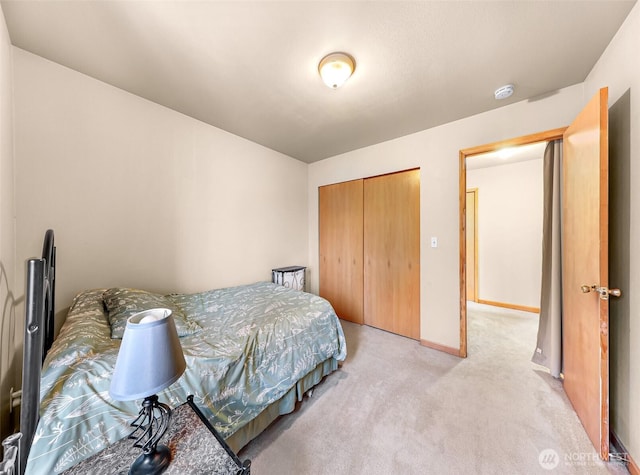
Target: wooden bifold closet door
(392, 253)
(370, 251)
(340, 216)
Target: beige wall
(619, 69)
(142, 196)
(436, 151)
(510, 199)
(8, 373)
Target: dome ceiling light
(336, 68)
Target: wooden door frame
(548, 135)
(475, 244)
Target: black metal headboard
(49, 255)
(38, 337)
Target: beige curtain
(548, 351)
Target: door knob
(604, 292)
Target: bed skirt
(285, 405)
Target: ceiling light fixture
(336, 68)
(504, 92)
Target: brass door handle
(604, 292)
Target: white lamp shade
(335, 69)
(150, 357)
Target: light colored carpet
(397, 407)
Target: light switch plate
(434, 241)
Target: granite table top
(194, 450)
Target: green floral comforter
(256, 342)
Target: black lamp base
(152, 463)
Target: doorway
(504, 252)
(470, 153)
(584, 236)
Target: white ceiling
(251, 67)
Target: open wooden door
(585, 250)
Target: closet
(340, 222)
(369, 241)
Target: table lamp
(150, 359)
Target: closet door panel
(340, 217)
(392, 253)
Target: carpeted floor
(398, 407)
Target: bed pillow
(122, 303)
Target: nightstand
(196, 448)
(292, 277)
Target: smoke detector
(504, 92)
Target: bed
(252, 352)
